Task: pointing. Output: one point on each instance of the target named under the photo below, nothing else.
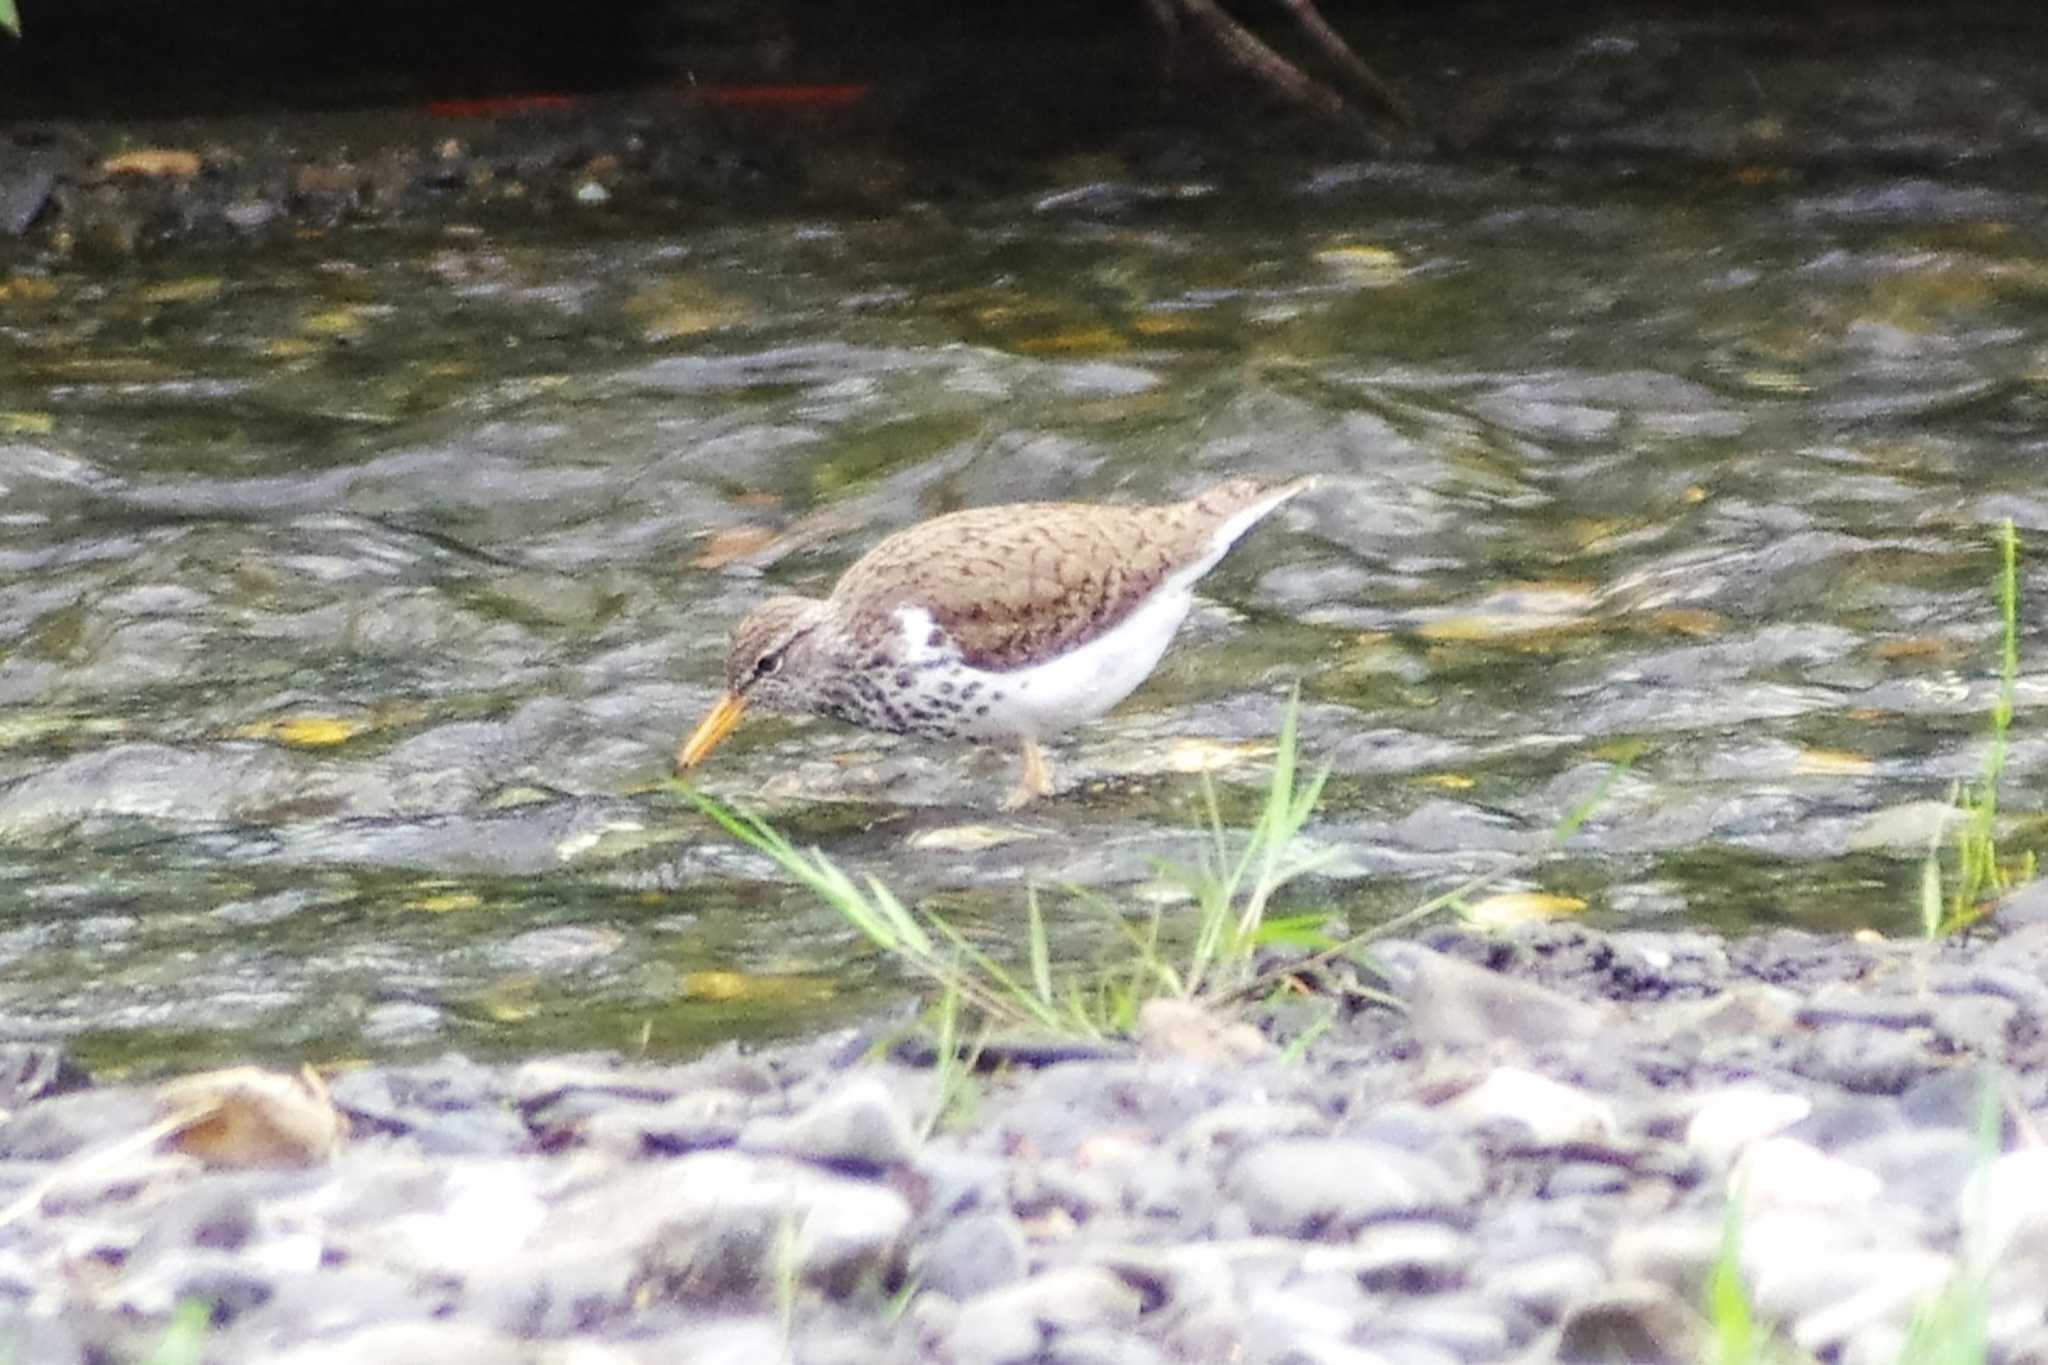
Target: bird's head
(767, 666)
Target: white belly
(1075, 687)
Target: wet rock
(153, 781)
(1331, 1187)
(858, 1125)
(24, 191)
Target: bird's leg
(1034, 782)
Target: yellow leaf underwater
(749, 988)
(304, 732)
(1831, 763)
(1506, 909)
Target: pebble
(1454, 1006)
(1017, 1322)
(1520, 1192)
(1637, 1321)
(1725, 1123)
(973, 1255)
(1537, 1108)
(857, 1125)
(1331, 1187)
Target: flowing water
(355, 590)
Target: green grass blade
(1733, 1323)
(10, 18)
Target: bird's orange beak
(716, 725)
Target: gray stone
(334, 1302)
(1402, 1257)
(1924, 1168)
(1577, 1179)
(725, 1219)
(1547, 1285)
(972, 1255)
(1470, 1325)
(1169, 1195)
(64, 1125)
(444, 1343)
(857, 1125)
(1231, 1127)
(1330, 1187)
(1834, 1295)
(697, 1121)
(34, 1071)
(1741, 1014)
(1975, 1024)
(957, 1182)
(1283, 1324)
(1869, 1059)
(1950, 1099)
(1539, 1109)
(1631, 1323)
(1726, 1121)
(1017, 1322)
(1102, 1348)
(1675, 1251)
(1456, 1006)
(232, 1285)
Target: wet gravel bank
(1533, 1162)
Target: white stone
(1551, 1112)
(1780, 1173)
(1728, 1121)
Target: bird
(1010, 622)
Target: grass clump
(1232, 886)
(1232, 891)
(1950, 901)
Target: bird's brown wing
(1014, 585)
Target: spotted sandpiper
(994, 623)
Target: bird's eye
(767, 664)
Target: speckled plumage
(944, 629)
